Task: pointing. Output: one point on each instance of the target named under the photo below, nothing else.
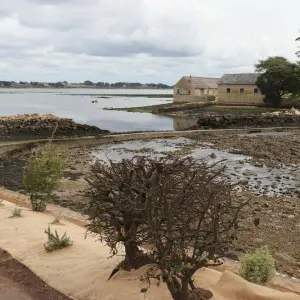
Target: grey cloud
(110, 48)
(60, 2)
(142, 40)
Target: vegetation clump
(42, 174)
(278, 78)
(181, 206)
(258, 266)
(55, 242)
(16, 213)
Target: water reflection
(80, 108)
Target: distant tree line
(100, 84)
(279, 79)
(129, 85)
(7, 83)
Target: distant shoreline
(82, 87)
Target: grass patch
(141, 109)
(143, 150)
(55, 242)
(16, 213)
(180, 152)
(239, 109)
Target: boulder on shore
(43, 126)
(240, 121)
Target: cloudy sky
(141, 40)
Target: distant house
(239, 89)
(195, 89)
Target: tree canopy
(181, 207)
(279, 77)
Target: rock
(243, 181)
(221, 121)
(231, 255)
(213, 155)
(249, 173)
(258, 165)
(44, 126)
(285, 258)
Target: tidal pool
(259, 178)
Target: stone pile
(240, 121)
(42, 126)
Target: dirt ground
(19, 283)
(81, 271)
(276, 150)
(279, 217)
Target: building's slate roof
(245, 78)
(202, 82)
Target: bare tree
(179, 206)
(191, 216)
(115, 208)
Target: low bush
(42, 174)
(16, 213)
(55, 242)
(258, 266)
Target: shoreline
(111, 137)
(278, 214)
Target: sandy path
(19, 283)
(9, 290)
(80, 271)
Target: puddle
(119, 151)
(259, 179)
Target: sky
(141, 40)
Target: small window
(189, 92)
(228, 90)
(178, 91)
(202, 92)
(255, 91)
(213, 92)
(242, 91)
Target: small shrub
(258, 266)
(256, 222)
(42, 174)
(16, 213)
(55, 242)
(211, 98)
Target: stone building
(239, 89)
(195, 89)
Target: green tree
(42, 174)
(298, 52)
(88, 82)
(279, 77)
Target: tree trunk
(197, 294)
(134, 259)
(180, 290)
